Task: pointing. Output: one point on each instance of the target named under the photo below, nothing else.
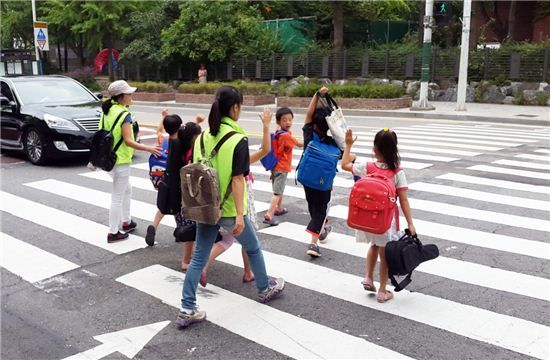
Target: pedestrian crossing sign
(41, 35)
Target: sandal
(368, 285)
(282, 212)
(270, 222)
(383, 297)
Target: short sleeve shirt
(241, 159)
(399, 179)
(307, 131)
(284, 144)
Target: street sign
(41, 35)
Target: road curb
(377, 113)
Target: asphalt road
(479, 191)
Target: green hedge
(151, 86)
(246, 88)
(370, 91)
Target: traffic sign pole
(39, 64)
(464, 50)
(422, 103)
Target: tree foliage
(217, 30)
(16, 24)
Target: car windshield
(53, 91)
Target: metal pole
(464, 51)
(38, 64)
(422, 103)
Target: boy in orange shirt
(282, 148)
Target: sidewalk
(525, 114)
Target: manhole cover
(527, 115)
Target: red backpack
(373, 201)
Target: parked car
(47, 116)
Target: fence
(487, 64)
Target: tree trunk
(338, 30)
(66, 56)
(511, 20)
(81, 50)
(59, 56)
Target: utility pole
(422, 103)
(464, 51)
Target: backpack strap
(113, 127)
(400, 285)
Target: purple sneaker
(275, 288)
(184, 319)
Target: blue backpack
(317, 167)
(270, 160)
(157, 165)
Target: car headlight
(56, 122)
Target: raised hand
(200, 118)
(164, 113)
(266, 116)
(349, 138)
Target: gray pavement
(499, 113)
(486, 296)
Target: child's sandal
(368, 285)
(384, 297)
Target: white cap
(120, 87)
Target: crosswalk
(485, 201)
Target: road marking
(522, 336)
(436, 143)
(463, 271)
(480, 196)
(280, 331)
(533, 157)
(429, 149)
(454, 134)
(507, 171)
(338, 181)
(414, 135)
(291, 191)
(489, 129)
(495, 183)
(481, 215)
(521, 137)
(545, 151)
(145, 184)
(524, 164)
(71, 225)
(128, 342)
(30, 262)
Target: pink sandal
(383, 297)
(368, 285)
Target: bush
(86, 77)
(519, 99)
(542, 98)
(151, 86)
(246, 88)
(369, 91)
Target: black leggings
(317, 204)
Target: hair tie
(388, 129)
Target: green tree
(16, 24)
(104, 23)
(217, 30)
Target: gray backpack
(200, 190)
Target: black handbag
(163, 197)
(186, 232)
(404, 255)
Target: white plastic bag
(336, 122)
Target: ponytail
(385, 142)
(226, 97)
(107, 104)
(215, 118)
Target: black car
(47, 116)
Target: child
(283, 145)
(172, 124)
(387, 158)
(317, 200)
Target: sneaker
(313, 250)
(184, 319)
(275, 288)
(150, 235)
(111, 238)
(323, 237)
(129, 226)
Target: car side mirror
(98, 95)
(5, 103)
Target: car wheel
(35, 147)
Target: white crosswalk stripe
(436, 202)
